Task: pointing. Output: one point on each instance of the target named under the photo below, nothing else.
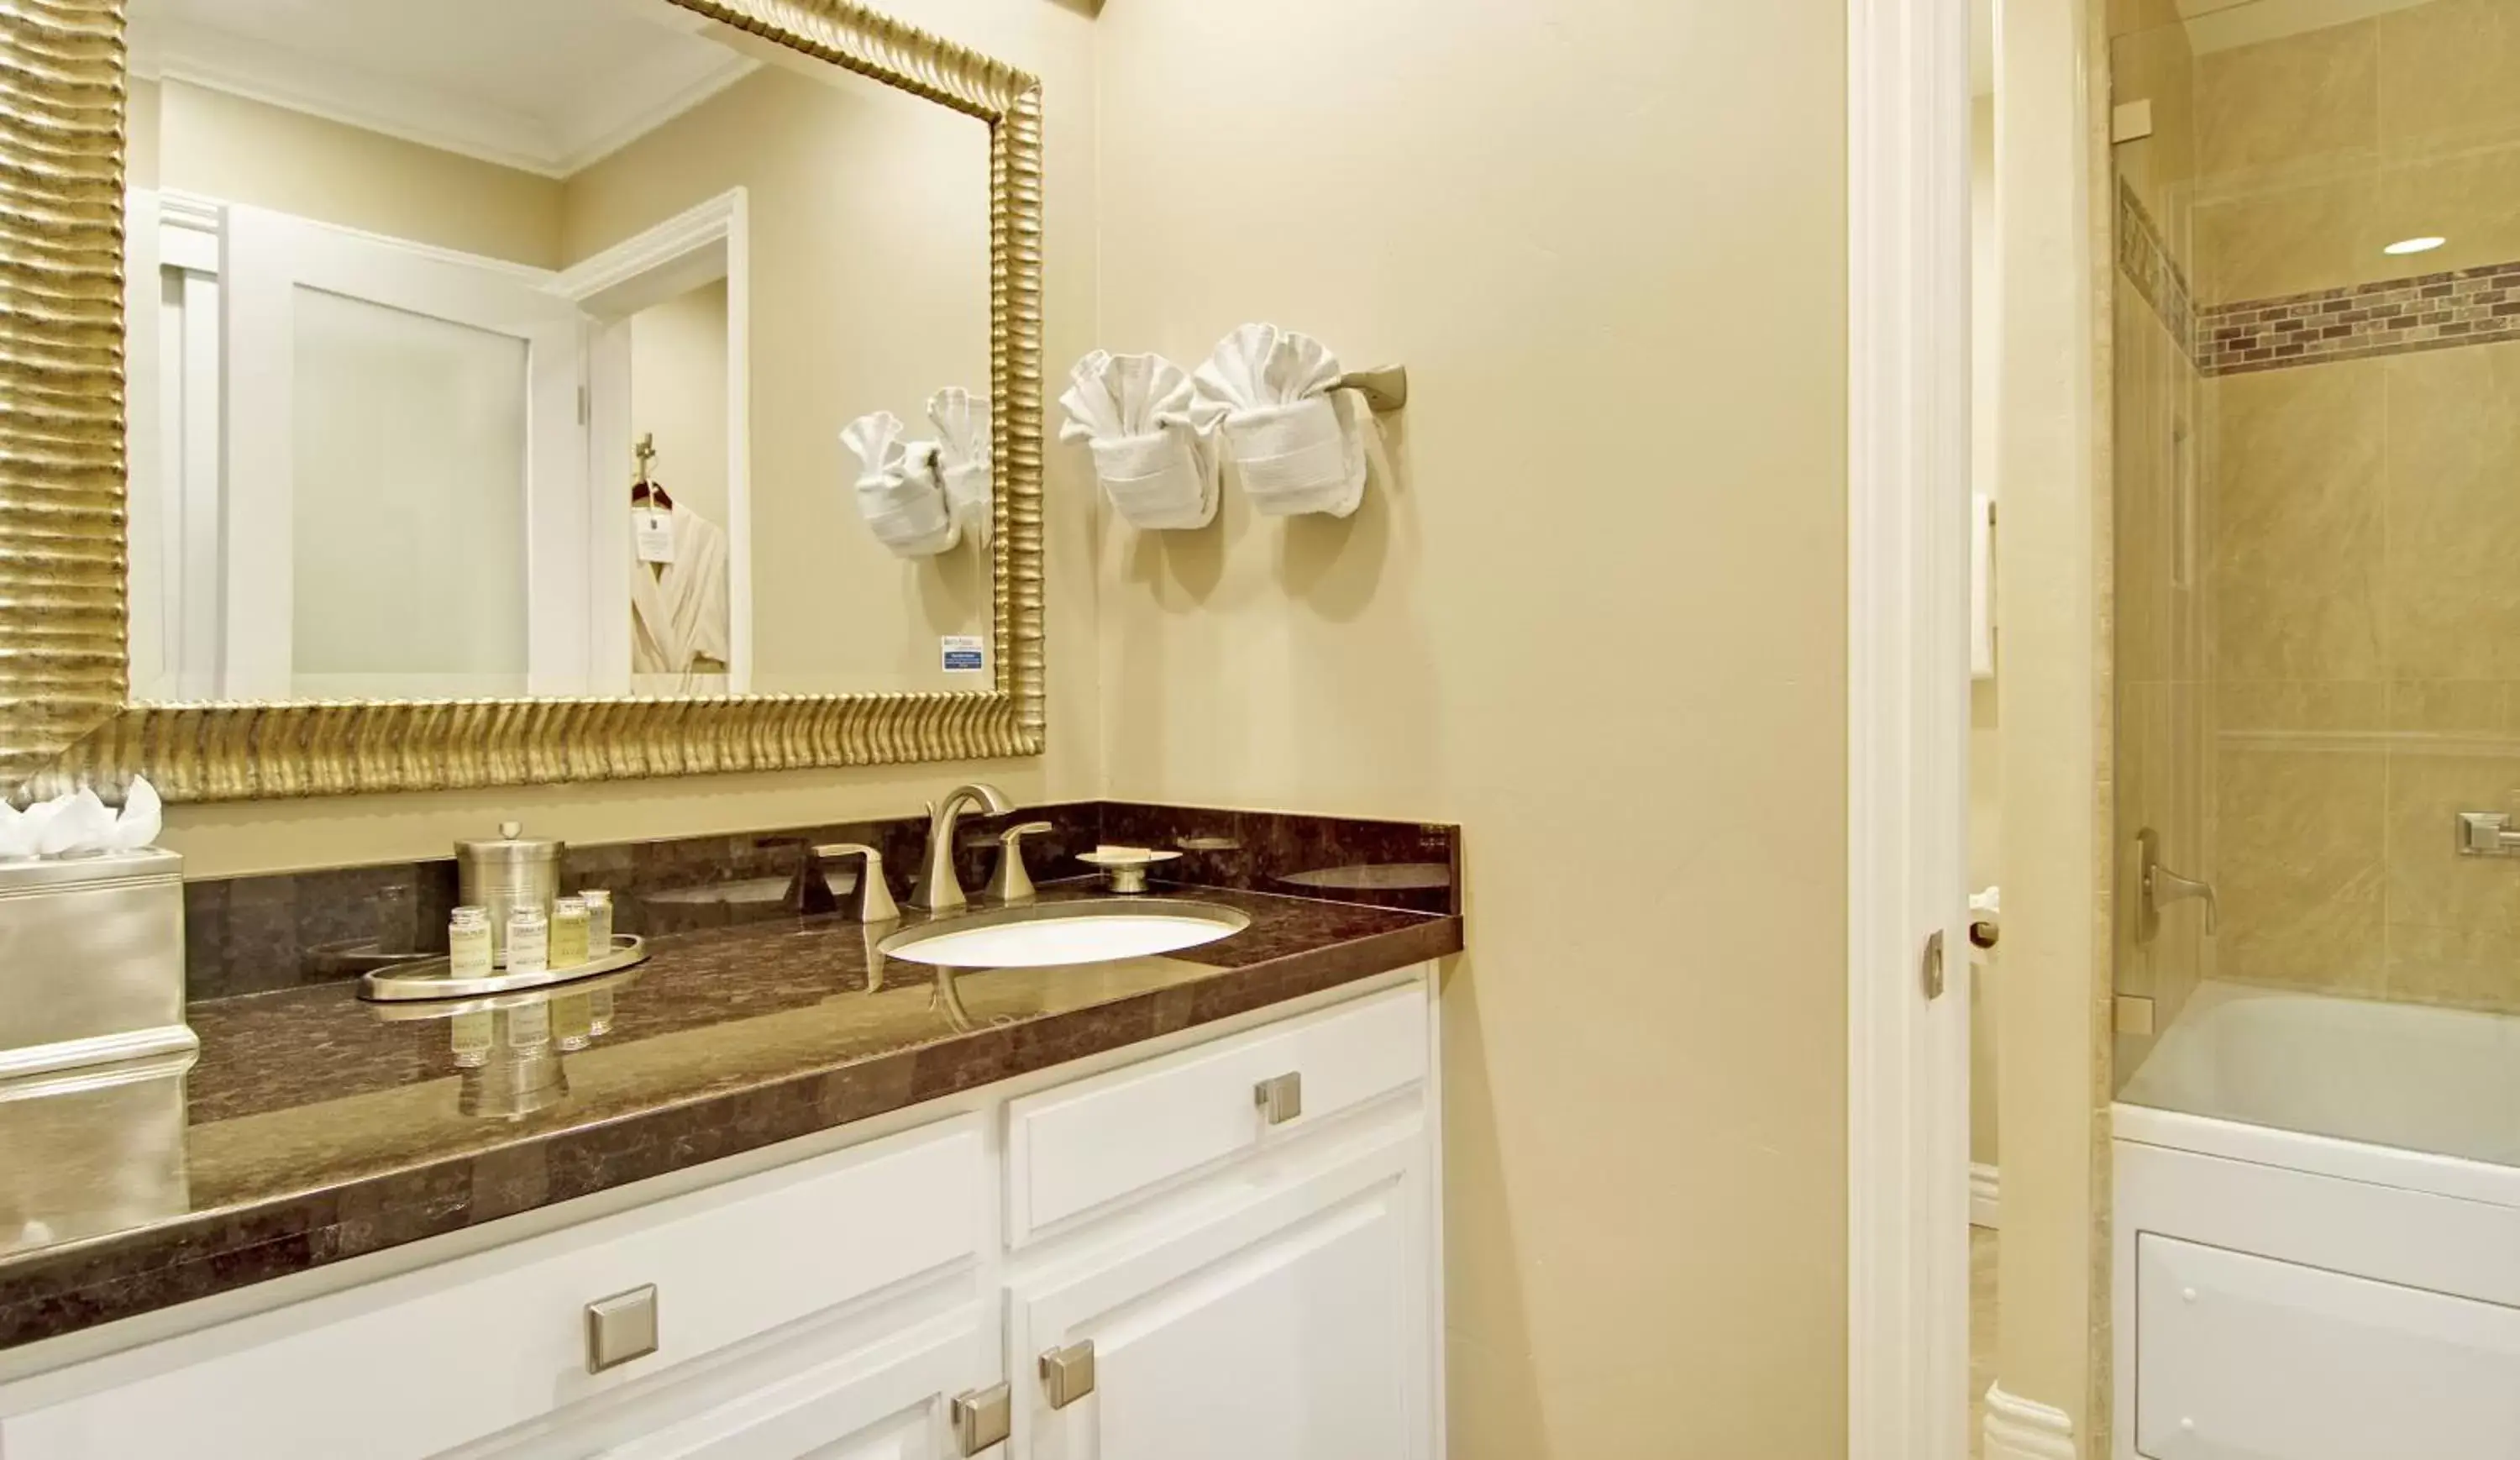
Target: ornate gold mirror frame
(63, 673)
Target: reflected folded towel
(898, 492)
(962, 421)
(1152, 436)
(1298, 443)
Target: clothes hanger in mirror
(645, 492)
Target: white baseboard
(2017, 1428)
(1984, 1191)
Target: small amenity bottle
(468, 943)
(569, 931)
(599, 922)
(529, 941)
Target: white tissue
(142, 818)
(962, 421)
(81, 824)
(1151, 434)
(1298, 441)
(898, 492)
(20, 830)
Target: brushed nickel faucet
(939, 889)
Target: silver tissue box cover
(91, 961)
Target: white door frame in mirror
(706, 243)
(1908, 349)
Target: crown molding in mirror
(64, 719)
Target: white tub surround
(2317, 1242)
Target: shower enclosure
(2318, 511)
(2316, 362)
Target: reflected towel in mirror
(898, 490)
(962, 421)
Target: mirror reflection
(495, 350)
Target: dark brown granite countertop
(314, 1131)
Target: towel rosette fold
(1152, 436)
(900, 491)
(1298, 443)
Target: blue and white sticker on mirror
(966, 654)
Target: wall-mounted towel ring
(1385, 387)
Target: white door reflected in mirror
(417, 282)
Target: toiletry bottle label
(528, 943)
(468, 944)
(529, 1026)
(471, 1037)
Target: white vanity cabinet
(1228, 1250)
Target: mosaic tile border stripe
(2148, 263)
(2478, 305)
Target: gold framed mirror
(74, 379)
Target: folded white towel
(962, 421)
(899, 492)
(1298, 443)
(1151, 436)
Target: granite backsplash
(251, 934)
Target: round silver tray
(428, 978)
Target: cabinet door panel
(1295, 1328)
(884, 1399)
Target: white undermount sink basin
(1097, 930)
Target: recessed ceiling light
(2416, 245)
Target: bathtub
(2316, 1232)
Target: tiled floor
(1981, 1331)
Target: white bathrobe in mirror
(679, 632)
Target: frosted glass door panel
(408, 543)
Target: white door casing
(1908, 486)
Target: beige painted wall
(1056, 42)
(1599, 619)
(244, 151)
(870, 254)
(678, 395)
(2053, 694)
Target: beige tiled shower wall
(2161, 701)
(2363, 517)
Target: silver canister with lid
(511, 872)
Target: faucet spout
(940, 888)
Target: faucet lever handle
(1013, 882)
(874, 899)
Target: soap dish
(1126, 865)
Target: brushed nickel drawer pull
(620, 1328)
(1281, 1099)
(1068, 1374)
(983, 1417)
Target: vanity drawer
(1084, 1145)
(419, 1363)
